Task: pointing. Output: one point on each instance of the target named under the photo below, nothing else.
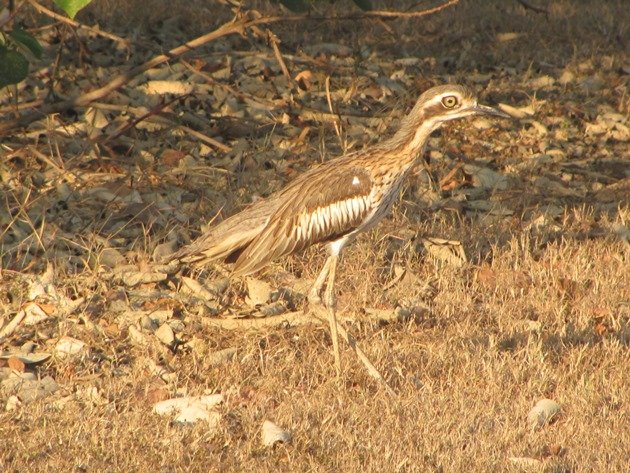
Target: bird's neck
(408, 142)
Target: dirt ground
(501, 278)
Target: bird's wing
(229, 236)
(322, 206)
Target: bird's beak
(485, 110)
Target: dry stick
(206, 139)
(68, 21)
(307, 112)
(450, 175)
(21, 106)
(410, 14)
(273, 39)
(290, 318)
(120, 80)
(11, 326)
(529, 6)
(298, 318)
(332, 112)
(132, 123)
(224, 30)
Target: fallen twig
(273, 39)
(11, 326)
(117, 82)
(288, 319)
(42, 9)
(298, 318)
(409, 14)
(336, 121)
(206, 139)
(529, 6)
(132, 123)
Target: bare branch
(42, 9)
(117, 82)
(409, 14)
(529, 6)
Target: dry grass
(537, 312)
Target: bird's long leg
(329, 300)
(314, 294)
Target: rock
(12, 403)
(28, 388)
(136, 337)
(165, 334)
(163, 250)
(526, 463)
(191, 409)
(272, 434)
(68, 346)
(258, 292)
(542, 413)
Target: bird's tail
(227, 239)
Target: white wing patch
(356, 181)
(339, 217)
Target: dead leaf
(304, 79)
(449, 251)
(16, 364)
(487, 277)
(505, 37)
(172, 157)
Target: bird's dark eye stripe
(449, 101)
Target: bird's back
(323, 204)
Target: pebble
(542, 413)
(272, 434)
(68, 346)
(165, 334)
(191, 409)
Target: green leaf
(295, 5)
(28, 40)
(72, 7)
(364, 5)
(13, 67)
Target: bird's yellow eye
(449, 101)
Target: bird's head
(449, 102)
(435, 107)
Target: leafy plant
(15, 46)
(72, 7)
(18, 46)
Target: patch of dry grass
(540, 310)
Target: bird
(332, 202)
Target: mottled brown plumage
(332, 202)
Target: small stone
(257, 292)
(68, 346)
(12, 403)
(566, 77)
(165, 334)
(191, 409)
(148, 324)
(272, 434)
(542, 413)
(136, 337)
(163, 250)
(111, 257)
